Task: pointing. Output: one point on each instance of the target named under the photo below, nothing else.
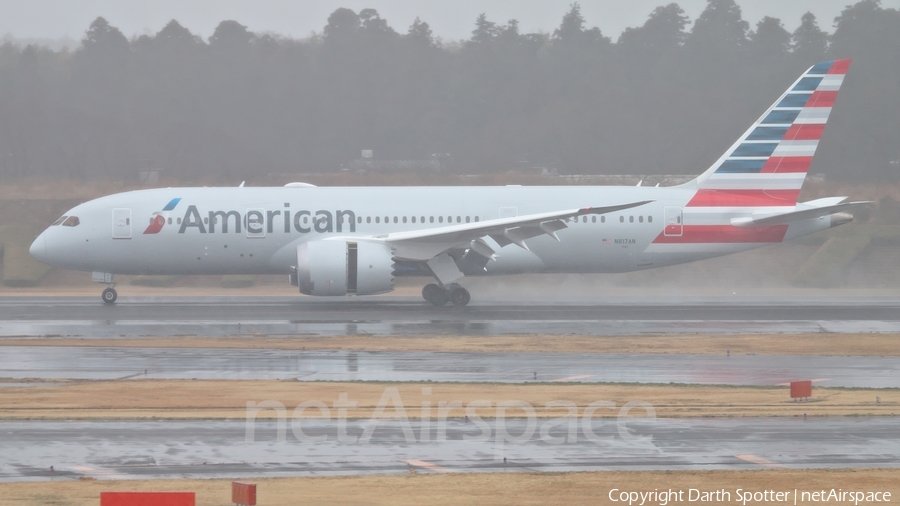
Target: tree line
(667, 97)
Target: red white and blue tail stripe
(767, 165)
(759, 175)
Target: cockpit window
(71, 221)
(59, 221)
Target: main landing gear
(439, 296)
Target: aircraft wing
(817, 210)
(425, 244)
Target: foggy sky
(55, 19)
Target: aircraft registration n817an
(353, 241)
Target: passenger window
(71, 221)
(641, 219)
(206, 220)
(404, 219)
(395, 219)
(458, 219)
(431, 219)
(378, 219)
(584, 219)
(467, 219)
(440, 219)
(178, 221)
(413, 219)
(170, 221)
(476, 219)
(593, 219)
(621, 219)
(631, 219)
(59, 221)
(603, 219)
(368, 219)
(359, 219)
(649, 219)
(423, 219)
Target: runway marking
(758, 460)
(573, 378)
(427, 465)
(789, 383)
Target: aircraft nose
(38, 249)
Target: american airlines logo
(258, 222)
(159, 217)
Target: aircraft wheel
(109, 295)
(459, 296)
(439, 297)
(429, 290)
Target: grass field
(863, 344)
(226, 399)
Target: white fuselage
(116, 234)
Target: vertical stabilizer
(767, 165)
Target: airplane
(338, 241)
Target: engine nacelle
(334, 268)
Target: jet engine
(334, 268)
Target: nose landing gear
(109, 295)
(439, 296)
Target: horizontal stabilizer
(801, 214)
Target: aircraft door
(121, 223)
(674, 225)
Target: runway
(88, 363)
(220, 448)
(210, 449)
(299, 316)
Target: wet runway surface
(298, 316)
(208, 449)
(19, 362)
